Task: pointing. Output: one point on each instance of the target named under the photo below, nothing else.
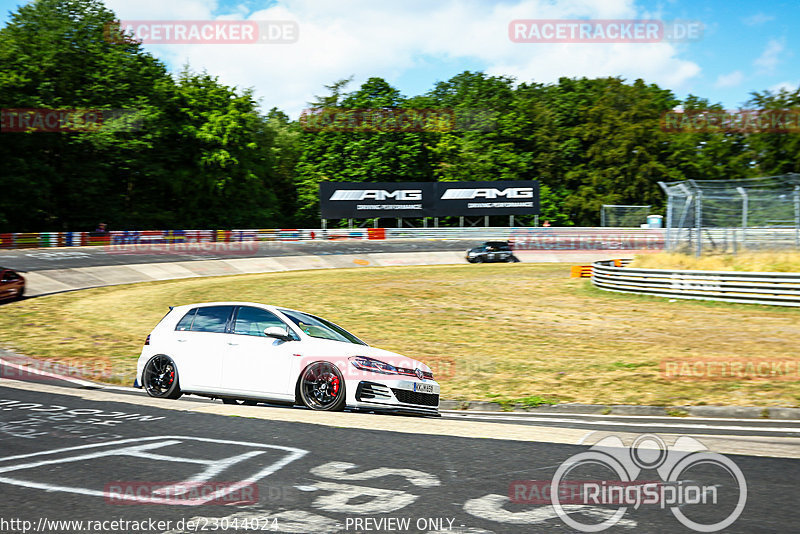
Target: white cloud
(163, 9)
(731, 79)
(786, 85)
(389, 39)
(758, 19)
(770, 57)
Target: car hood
(328, 348)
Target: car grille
(371, 390)
(412, 397)
(410, 372)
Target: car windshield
(320, 328)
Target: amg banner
(363, 200)
(487, 198)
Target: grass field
(747, 261)
(510, 333)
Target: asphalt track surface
(68, 458)
(70, 258)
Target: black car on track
(492, 252)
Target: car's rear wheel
(160, 378)
(321, 387)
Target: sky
(744, 46)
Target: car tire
(321, 387)
(160, 378)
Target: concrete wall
(59, 280)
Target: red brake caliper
(334, 385)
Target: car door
(198, 347)
(255, 364)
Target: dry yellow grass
(746, 261)
(491, 332)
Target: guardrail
(524, 238)
(776, 289)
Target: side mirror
(278, 332)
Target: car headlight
(371, 364)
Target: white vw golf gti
(243, 352)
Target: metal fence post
(698, 216)
(745, 207)
(667, 243)
(797, 216)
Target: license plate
(423, 388)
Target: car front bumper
(400, 396)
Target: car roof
(231, 303)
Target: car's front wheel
(160, 378)
(321, 387)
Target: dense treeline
(199, 154)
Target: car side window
(211, 319)
(10, 276)
(186, 322)
(253, 321)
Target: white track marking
(698, 426)
(140, 450)
(384, 502)
(514, 415)
(491, 507)
(335, 471)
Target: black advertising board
(364, 200)
(487, 198)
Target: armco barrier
(777, 289)
(524, 238)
